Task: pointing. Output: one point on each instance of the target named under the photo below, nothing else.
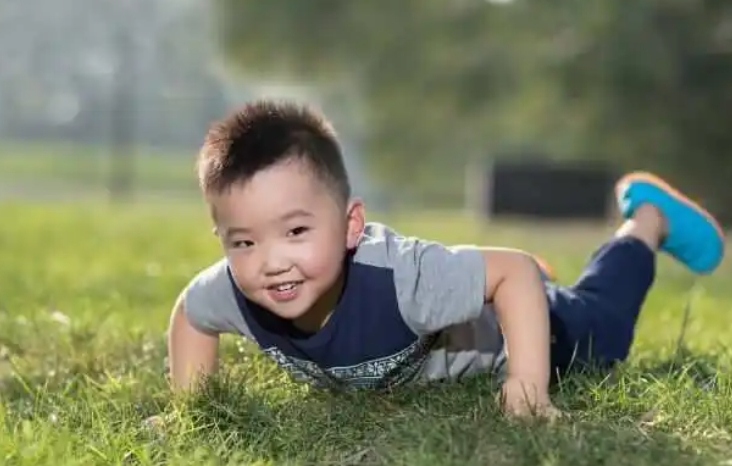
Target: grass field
(85, 294)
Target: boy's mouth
(285, 291)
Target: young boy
(338, 302)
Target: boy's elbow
(506, 261)
(503, 264)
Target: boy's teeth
(285, 287)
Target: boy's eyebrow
(234, 230)
(295, 214)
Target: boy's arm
(514, 285)
(439, 286)
(192, 354)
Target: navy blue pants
(593, 321)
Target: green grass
(85, 294)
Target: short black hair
(263, 133)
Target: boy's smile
(285, 291)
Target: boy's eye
(298, 231)
(242, 243)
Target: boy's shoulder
(429, 278)
(381, 246)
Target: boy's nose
(276, 264)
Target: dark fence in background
(547, 189)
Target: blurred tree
(642, 83)
(650, 80)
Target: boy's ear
(355, 222)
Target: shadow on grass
(700, 369)
(703, 369)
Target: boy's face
(285, 236)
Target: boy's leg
(593, 321)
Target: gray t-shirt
(411, 310)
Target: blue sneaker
(693, 236)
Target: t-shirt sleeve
(437, 286)
(210, 304)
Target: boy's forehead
(278, 181)
(291, 174)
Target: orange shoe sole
(545, 267)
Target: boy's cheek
(325, 266)
(241, 276)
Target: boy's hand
(522, 398)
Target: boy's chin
(291, 315)
(289, 312)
